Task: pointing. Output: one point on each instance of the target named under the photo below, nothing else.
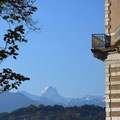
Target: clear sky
(59, 54)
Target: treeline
(41, 112)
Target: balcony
(101, 46)
(100, 41)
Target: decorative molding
(107, 17)
(112, 91)
(112, 83)
(112, 118)
(112, 109)
(112, 100)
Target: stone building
(106, 47)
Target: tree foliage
(18, 15)
(57, 112)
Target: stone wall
(112, 17)
(107, 17)
(112, 75)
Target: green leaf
(5, 17)
(14, 57)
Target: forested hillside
(86, 112)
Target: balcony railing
(100, 41)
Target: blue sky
(59, 54)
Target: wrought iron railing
(100, 41)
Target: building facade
(106, 47)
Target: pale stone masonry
(112, 75)
(112, 63)
(106, 47)
(112, 17)
(107, 17)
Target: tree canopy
(18, 15)
(57, 112)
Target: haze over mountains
(49, 96)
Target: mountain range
(10, 101)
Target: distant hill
(52, 94)
(10, 101)
(56, 112)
